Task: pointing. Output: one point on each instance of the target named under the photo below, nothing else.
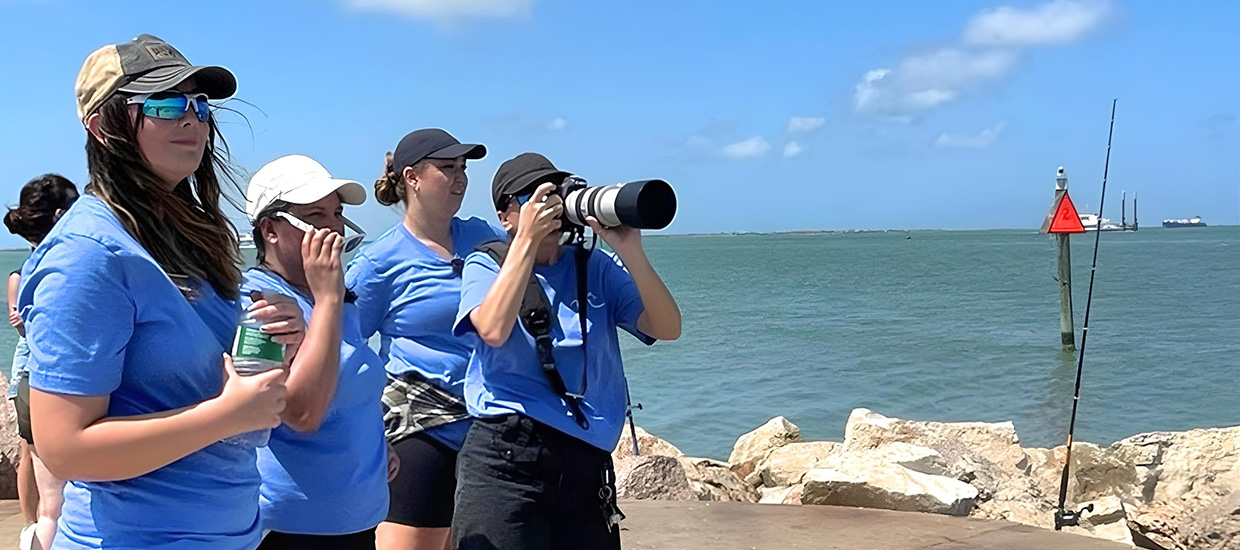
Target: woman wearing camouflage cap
(129, 305)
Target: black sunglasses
(458, 266)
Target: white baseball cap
(296, 179)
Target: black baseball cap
(521, 172)
(432, 143)
(143, 65)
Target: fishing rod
(1063, 516)
(632, 424)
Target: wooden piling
(1067, 331)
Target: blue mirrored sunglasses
(172, 105)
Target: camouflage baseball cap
(145, 64)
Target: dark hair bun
(41, 198)
(389, 189)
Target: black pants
(524, 486)
(364, 540)
(22, 404)
(422, 493)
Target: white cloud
(804, 124)
(1056, 22)
(447, 10)
(557, 123)
(921, 82)
(992, 42)
(792, 149)
(868, 90)
(979, 140)
(753, 147)
(929, 98)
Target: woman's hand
(15, 319)
(253, 402)
(540, 216)
(282, 318)
(320, 257)
(624, 240)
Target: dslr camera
(643, 204)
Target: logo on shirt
(594, 301)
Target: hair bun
(389, 189)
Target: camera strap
(535, 316)
(581, 257)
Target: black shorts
(422, 493)
(22, 404)
(526, 485)
(364, 540)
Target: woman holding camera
(130, 304)
(535, 470)
(408, 286)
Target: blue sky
(764, 116)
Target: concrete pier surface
(666, 525)
(730, 525)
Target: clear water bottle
(254, 351)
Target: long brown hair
(183, 229)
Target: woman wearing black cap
(535, 471)
(408, 288)
(129, 305)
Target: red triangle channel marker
(1066, 219)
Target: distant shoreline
(849, 231)
(792, 232)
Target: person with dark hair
(535, 471)
(130, 304)
(325, 471)
(408, 286)
(42, 202)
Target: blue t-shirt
(332, 481)
(509, 379)
(21, 359)
(102, 319)
(20, 366)
(409, 294)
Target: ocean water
(945, 325)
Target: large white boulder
(1187, 481)
(753, 446)
(891, 487)
(784, 466)
(714, 480)
(1095, 473)
(647, 444)
(995, 442)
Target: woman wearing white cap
(129, 304)
(408, 283)
(325, 470)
